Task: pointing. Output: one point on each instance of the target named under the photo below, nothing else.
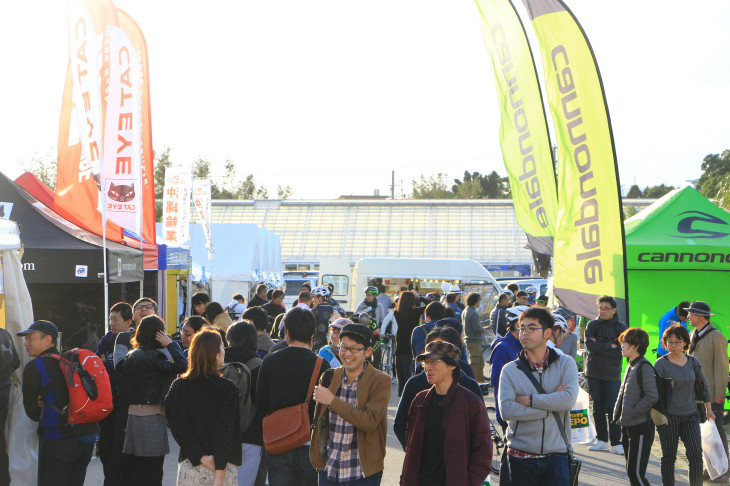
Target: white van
(423, 274)
(293, 282)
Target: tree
(478, 186)
(716, 167)
(283, 192)
(655, 192)
(432, 188)
(635, 192)
(231, 187)
(44, 168)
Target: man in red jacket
(448, 438)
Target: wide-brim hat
(699, 308)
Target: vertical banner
(202, 203)
(523, 133)
(146, 160)
(176, 206)
(122, 135)
(80, 143)
(589, 237)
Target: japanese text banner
(202, 203)
(176, 206)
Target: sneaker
(617, 449)
(600, 446)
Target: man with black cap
(351, 419)
(64, 451)
(709, 346)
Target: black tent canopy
(58, 251)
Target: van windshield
(293, 287)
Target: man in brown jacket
(348, 442)
(709, 346)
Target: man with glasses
(348, 443)
(709, 346)
(603, 372)
(537, 453)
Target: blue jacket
(504, 350)
(664, 323)
(418, 383)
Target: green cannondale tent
(678, 249)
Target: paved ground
(599, 468)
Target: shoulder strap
(253, 363)
(315, 374)
(521, 365)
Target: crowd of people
(261, 394)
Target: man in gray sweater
(537, 453)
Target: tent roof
(55, 248)
(683, 222)
(9, 235)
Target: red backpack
(89, 390)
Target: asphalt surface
(599, 468)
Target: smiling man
(348, 444)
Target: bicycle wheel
(498, 442)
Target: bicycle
(386, 362)
(498, 441)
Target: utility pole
(392, 184)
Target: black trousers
(4, 464)
(147, 470)
(63, 462)
(637, 441)
(403, 364)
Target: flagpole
(104, 248)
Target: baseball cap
(45, 327)
(440, 350)
(340, 323)
(358, 332)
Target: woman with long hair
(408, 316)
(146, 374)
(202, 412)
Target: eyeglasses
(529, 329)
(145, 306)
(430, 361)
(675, 343)
(605, 309)
(350, 349)
(336, 331)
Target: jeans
(291, 468)
(403, 364)
(63, 462)
(373, 480)
(604, 394)
(544, 471)
(249, 468)
(637, 441)
(686, 427)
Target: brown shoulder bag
(289, 428)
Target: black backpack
(240, 374)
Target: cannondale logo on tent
(688, 228)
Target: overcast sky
(329, 96)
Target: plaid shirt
(539, 367)
(343, 461)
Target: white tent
(245, 256)
(21, 434)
